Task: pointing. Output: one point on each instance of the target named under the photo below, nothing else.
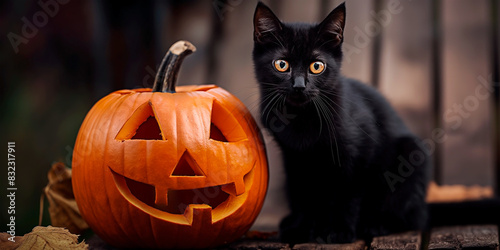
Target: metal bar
(377, 49)
(495, 59)
(437, 85)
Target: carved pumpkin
(174, 167)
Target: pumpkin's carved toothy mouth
(176, 200)
(181, 206)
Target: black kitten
(353, 168)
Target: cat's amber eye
(317, 67)
(281, 65)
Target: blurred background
(436, 61)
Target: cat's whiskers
(246, 93)
(270, 105)
(283, 102)
(319, 115)
(249, 95)
(254, 105)
(275, 89)
(346, 98)
(331, 130)
(264, 99)
(333, 92)
(268, 83)
(346, 113)
(276, 104)
(328, 115)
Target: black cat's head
(297, 62)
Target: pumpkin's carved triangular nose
(187, 166)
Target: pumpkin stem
(166, 77)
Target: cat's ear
(333, 25)
(264, 22)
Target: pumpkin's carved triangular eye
(216, 134)
(224, 126)
(149, 130)
(142, 125)
(187, 166)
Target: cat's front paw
(294, 229)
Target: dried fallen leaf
(63, 208)
(51, 238)
(6, 244)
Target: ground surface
(459, 237)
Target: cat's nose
(299, 83)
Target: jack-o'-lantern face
(196, 154)
(148, 163)
(169, 167)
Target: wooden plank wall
(406, 64)
(466, 49)
(423, 47)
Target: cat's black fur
(353, 169)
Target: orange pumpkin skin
(131, 186)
